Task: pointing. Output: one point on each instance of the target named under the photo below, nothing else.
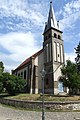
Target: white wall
(40, 67)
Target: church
(50, 58)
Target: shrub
(1, 87)
(15, 85)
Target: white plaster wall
(40, 67)
(56, 91)
(57, 73)
(36, 61)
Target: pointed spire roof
(52, 22)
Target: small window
(21, 74)
(49, 36)
(59, 37)
(58, 55)
(55, 35)
(25, 74)
(18, 74)
(47, 81)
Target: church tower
(53, 54)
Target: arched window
(21, 74)
(18, 74)
(55, 35)
(24, 74)
(59, 37)
(55, 51)
(47, 81)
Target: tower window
(59, 37)
(55, 35)
(58, 55)
(47, 50)
(58, 52)
(49, 36)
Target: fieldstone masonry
(69, 106)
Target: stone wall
(38, 104)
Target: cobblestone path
(12, 114)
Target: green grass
(32, 97)
(38, 97)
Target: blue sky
(22, 24)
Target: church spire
(52, 22)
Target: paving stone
(12, 114)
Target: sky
(22, 24)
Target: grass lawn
(38, 97)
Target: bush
(1, 87)
(15, 85)
(12, 84)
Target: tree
(1, 68)
(15, 85)
(5, 78)
(12, 83)
(77, 59)
(1, 87)
(70, 76)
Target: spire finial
(50, 1)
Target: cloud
(68, 22)
(21, 45)
(69, 12)
(70, 56)
(19, 21)
(10, 8)
(72, 7)
(21, 12)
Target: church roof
(52, 22)
(28, 60)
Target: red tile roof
(28, 60)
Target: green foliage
(1, 87)
(13, 84)
(78, 57)
(71, 78)
(5, 78)
(1, 83)
(1, 68)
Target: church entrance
(60, 86)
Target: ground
(38, 97)
(7, 113)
